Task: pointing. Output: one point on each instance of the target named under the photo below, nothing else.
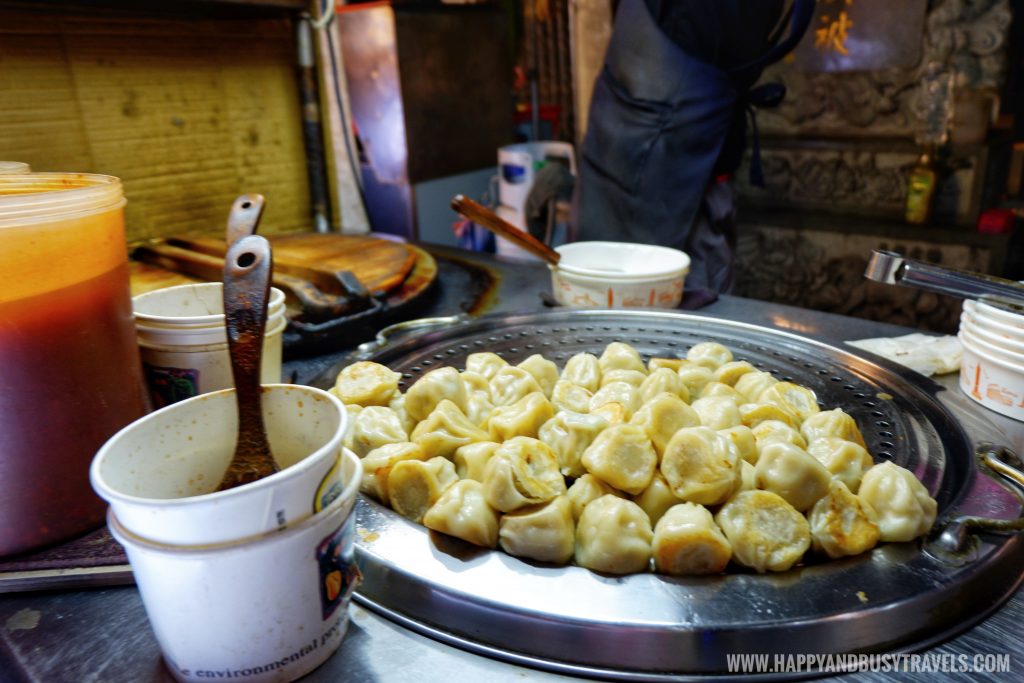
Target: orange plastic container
(70, 374)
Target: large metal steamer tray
(898, 597)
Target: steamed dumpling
(522, 471)
(474, 381)
(463, 512)
(585, 490)
(701, 466)
(415, 485)
(842, 524)
(753, 414)
(717, 412)
(792, 398)
(729, 373)
(672, 364)
(471, 459)
(845, 460)
(695, 377)
(662, 381)
(711, 355)
(687, 541)
(743, 440)
(623, 457)
(663, 416)
(543, 370)
(569, 434)
(377, 467)
(832, 423)
(366, 383)
(623, 393)
(752, 384)
(571, 397)
(656, 498)
(429, 390)
(485, 363)
(614, 413)
(767, 431)
(719, 389)
(479, 408)
(522, 418)
(620, 356)
(351, 411)
(614, 536)
(792, 473)
(445, 430)
(375, 426)
(904, 509)
(583, 371)
(634, 377)
(397, 405)
(545, 532)
(766, 532)
(510, 384)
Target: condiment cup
(268, 608)
(990, 333)
(992, 381)
(619, 275)
(160, 473)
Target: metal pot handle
(367, 349)
(956, 543)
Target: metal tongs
(893, 269)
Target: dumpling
(672, 364)
(375, 426)
(790, 472)
(615, 413)
(717, 412)
(522, 418)
(545, 532)
(445, 430)
(662, 381)
(620, 356)
(832, 423)
(841, 524)
(351, 410)
(748, 476)
(767, 431)
(543, 370)
(904, 510)
(845, 460)
(623, 457)
(701, 466)
(471, 459)
(366, 383)
(656, 498)
(485, 363)
(415, 485)
(583, 371)
(752, 384)
(510, 384)
(663, 416)
(474, 381)
(569, 396)
(622, 393)
(752, 414)
(687, 541)
(522, 471)
(694, 377)
(377, 466)
(479, 408)
(634, 377)
(719, 389)
(766, 532)
(729, 373)
(792, 398)
(569, 434)
(463, 512)
(711, 355)
(743, 439)
(586, 489)
(397, 405)
(614, 535)
(432, 388)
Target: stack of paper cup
(249, 584)
(184, 343)
(992, 371)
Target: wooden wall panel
(188, 113)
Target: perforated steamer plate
(653, 627)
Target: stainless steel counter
(103, 635)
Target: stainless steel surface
(650, 627)
(891, 268)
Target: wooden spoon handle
(247, 272)
(493, 222)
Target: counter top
(103, 635)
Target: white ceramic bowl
(619, 275)
(992, 382)
(161, 472)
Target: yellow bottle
(921, 189)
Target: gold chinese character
(833, 35)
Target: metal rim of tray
(654, 627)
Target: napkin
(921, 352)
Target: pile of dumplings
(677, 465)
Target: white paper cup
(619, 275)
(271, 608)
(183, 341)
(160, 473)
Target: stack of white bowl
(992, 371)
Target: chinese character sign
(863, 35)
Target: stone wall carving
(967, 37)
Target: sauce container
(70, 374)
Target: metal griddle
(899, 596)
